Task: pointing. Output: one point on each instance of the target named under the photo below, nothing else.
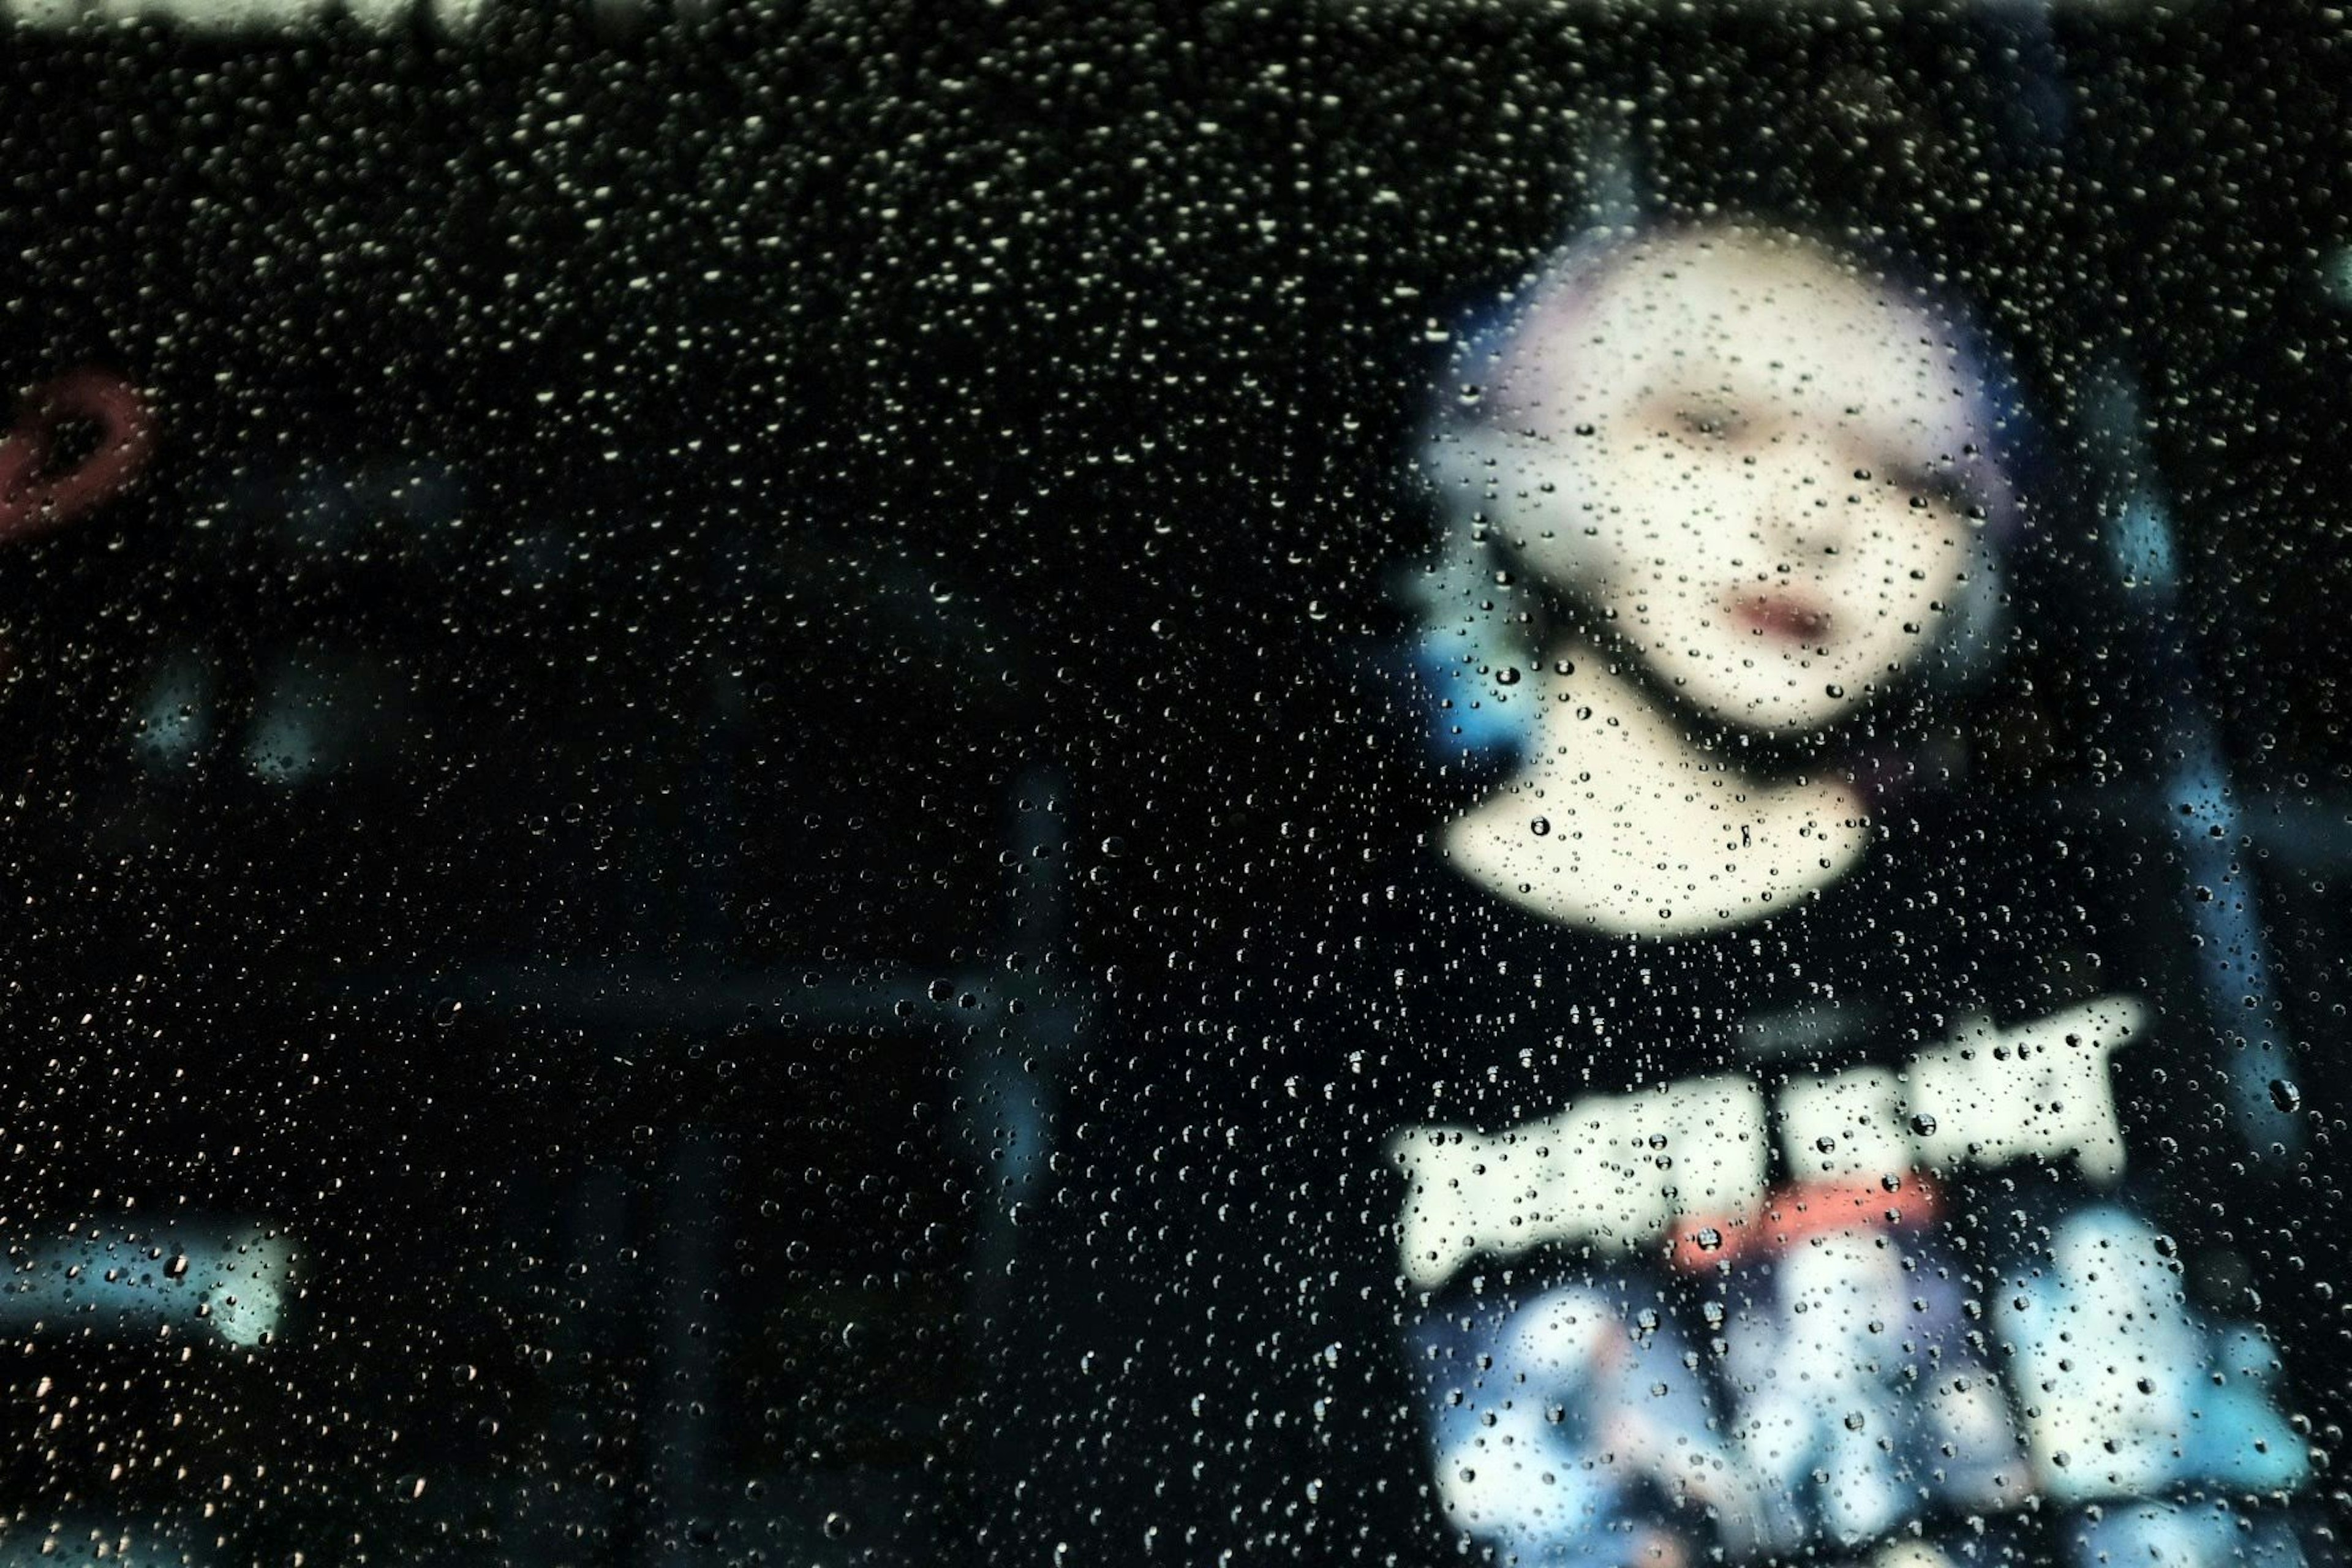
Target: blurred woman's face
(1758, 468)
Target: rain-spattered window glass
(1383, 782)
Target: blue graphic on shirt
(1841, 1397)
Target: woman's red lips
(1786, 617)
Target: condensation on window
(839, 783)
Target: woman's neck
(1621, 822)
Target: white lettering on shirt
(1617, 1172)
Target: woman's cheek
(1909, 621)
(1582, 549)
(1562, 558)
(1677, 527)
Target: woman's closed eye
(1708, 420)
(1936, 487)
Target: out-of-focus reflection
(44, 482)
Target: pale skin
(1649, 835)
(1757, 470)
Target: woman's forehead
(1760, 318)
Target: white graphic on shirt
(1616, 1172)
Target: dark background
(724, 592)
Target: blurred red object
(36, 497)
(1800, 1212)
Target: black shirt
(1884, 1217)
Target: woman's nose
(1804, 513)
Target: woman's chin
(1771, 707)
(1730, 686)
